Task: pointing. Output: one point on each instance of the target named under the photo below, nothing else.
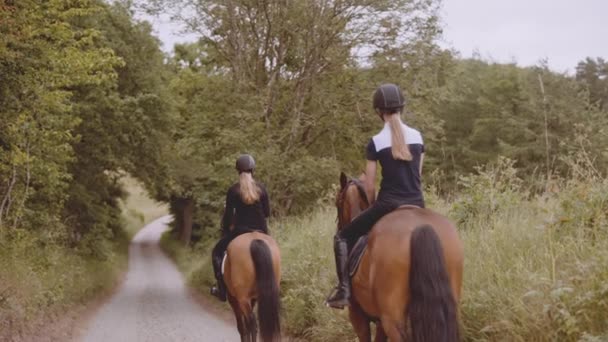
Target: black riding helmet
(388, 98)
(245, 163)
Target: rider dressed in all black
(400, 151)
(246, 210)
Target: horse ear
(343, 180)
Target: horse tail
(432, 307)
(268, 292)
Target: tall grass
(40, 283)
(41, 278)
(536, 265)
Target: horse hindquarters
(432, 308)
(267, 290)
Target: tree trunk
(186, 228)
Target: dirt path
(153, 304)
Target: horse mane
(361, 188)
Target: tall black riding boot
(340, 297)
(220, 290)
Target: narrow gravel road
(153, 304)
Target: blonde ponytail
(399, 148)
(250, 192)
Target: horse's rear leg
(249, 323)
(380, 334)
(245, 319)
(359, 322)
(392, 301)
(240, 318)
(395, 329)
(253, 326)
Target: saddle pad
(356, 254)
(408, 206)
(224, 261)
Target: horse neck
(355, 203)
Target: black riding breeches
(364, 222)
(218, 253)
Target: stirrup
(336, 303)
(216, 292)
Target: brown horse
(252, 273)
(409, 278)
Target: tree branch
(6, 201)
(28, 174)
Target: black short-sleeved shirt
(245, 216)
(400, 179)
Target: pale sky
(526, 31)
(522, 31)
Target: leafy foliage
(491, 189)
(79, 106)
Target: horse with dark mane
(409, 278)
(252, 273)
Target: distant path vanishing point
(153, 304)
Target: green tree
(82, 100)
(43, 58)
(123, 127)
(526, 114)
(281, 81)
(593, 76)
